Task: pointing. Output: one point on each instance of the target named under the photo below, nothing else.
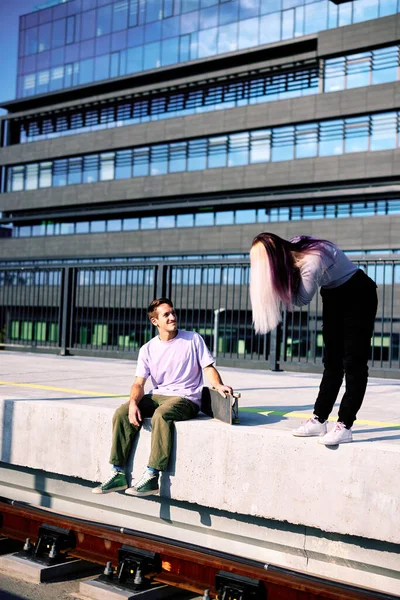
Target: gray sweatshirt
(328, 270)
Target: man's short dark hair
(152, 310)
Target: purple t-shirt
(175, 367)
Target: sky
(10, 10)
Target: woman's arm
(311, 272)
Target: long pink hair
(274, 275)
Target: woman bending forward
(291, 272)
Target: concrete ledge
(249, 470)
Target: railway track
(186, 566)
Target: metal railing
(102, 311)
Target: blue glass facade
(83, 41)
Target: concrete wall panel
(379, 232)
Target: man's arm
(136, 394)
(215, 379)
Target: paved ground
(270, 400)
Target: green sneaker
(146, 486)
(115, 483)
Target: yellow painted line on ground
(60, 389)
(250, 409)
(300, 415)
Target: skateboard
(224, 409)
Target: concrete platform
(252, 490)
(22, 568)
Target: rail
(180, 564)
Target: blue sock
(155, 471)
(118, 469)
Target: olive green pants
(164, 410)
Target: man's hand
(137, 391)
(135, 417)
(215, 379)
(223, 389)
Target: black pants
(348, 316)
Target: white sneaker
(312, 427)
(338, 435)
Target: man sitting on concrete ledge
(174, 360)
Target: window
(75, 170)
(148, 222)
(385, 62)
(101, 67)
(130, 224)
(103, 25)
(67, 228)
(383, 131)
(197, 150)
(141, 161)
(159, 159)
(177, 157)
(245, 216)
(90, 168)
(184, 220)
(283, 143)
(107, 166)
(31, 41)
(217, 151)
(58, 33)
(166, 222)
(123, 164)
(358, 69)
(224, 217)
(39, 230)
(82, 227)
(356, 134)
(45, 175)
(238, 149)
(334, 74)
(120, 15)
(60, 168)
(97, 226)
(306, 140)
(32, 172)
(44, 37)
(88, 25)
(17, 178)
(260, 146)
(204, 219)
(114, 225)
(331, 138)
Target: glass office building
(83, 41)
(203, 121)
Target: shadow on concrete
(40, 487)
(6, 442)
(378, 439)
(378, 429)
(8, 596)
(252, 415)
(360, 432)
